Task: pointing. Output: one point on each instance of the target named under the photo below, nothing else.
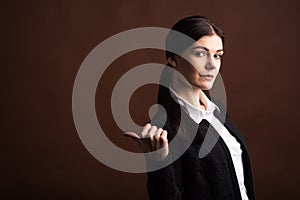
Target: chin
(206, 87)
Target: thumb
(132, 135)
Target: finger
(132, 135)
(157, 138)
(158, 133)
(164, 138)
(145, 130)
(148, 138)
(165, 147)
(151, 131)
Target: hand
(152, 139)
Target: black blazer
(190, 177)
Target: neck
(193, 95)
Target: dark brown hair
(194, 27)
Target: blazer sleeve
(165, 183)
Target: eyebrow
(206, 49)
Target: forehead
(211, 42)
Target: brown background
(44, 43)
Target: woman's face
(200, 63)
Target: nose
(210, 65)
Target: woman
(224, 172)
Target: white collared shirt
(233, 145)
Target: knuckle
(147, 126)
(160, 129)
(157, 136)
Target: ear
(172, 61)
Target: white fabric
(233, 145)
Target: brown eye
(218, 56)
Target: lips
(207, 76)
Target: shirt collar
(195, 113)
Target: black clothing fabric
(189, 177)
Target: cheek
(218, 66)
(189, 69)
(198, 64)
